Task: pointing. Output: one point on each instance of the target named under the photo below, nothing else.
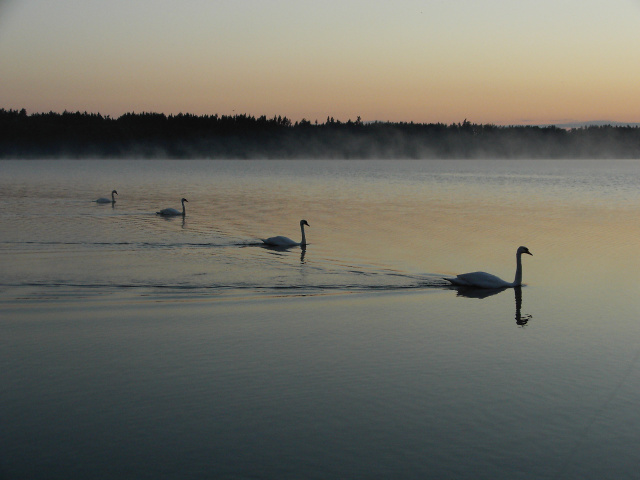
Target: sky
(503, 62)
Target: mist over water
(137, 345)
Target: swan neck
(183, 209)
(518, 280)
(304, 240)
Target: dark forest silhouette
(155, 135)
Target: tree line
(156, 135)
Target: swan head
(304, 222)
(114, 192)
(184, 200)
(522, 250)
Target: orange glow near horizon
(489, 62)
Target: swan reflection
(521, 320)
(472, 292)
(282, 250)
(477, 292)
(169, 218)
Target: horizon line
(331, 119)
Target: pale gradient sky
(490, 61)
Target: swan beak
(529, 253)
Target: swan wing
(103, 200)
(169, 211)
(479, 279)
(279, 241)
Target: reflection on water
(521, 319)
(480, 293)
(147, 348)
(376, 224)
(475, 292)
(283, 249)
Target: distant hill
(592, 123)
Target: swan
(106, 200)
(171, 212)
(281, 241)
(486, 280)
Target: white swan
(486, 280)
(106, 200)
(172, 212)
(281, 241)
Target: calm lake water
(136, 346)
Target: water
(138, 346)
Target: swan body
(281, 241)
(172, 212)
(487, 280)
(106, 200)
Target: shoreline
(152, 135)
